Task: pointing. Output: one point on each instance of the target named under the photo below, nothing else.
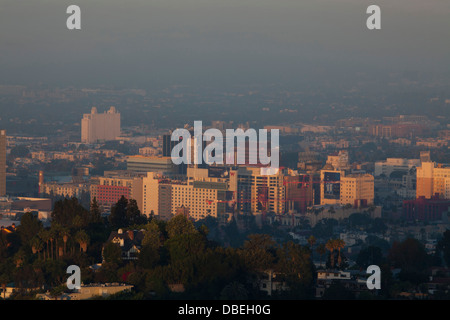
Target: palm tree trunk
(332, 259)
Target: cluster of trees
(179, 253)
(176, 252)
(37, 257)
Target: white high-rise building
(97, 127)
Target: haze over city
(219, 43)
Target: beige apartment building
(433, 179)
(64, 189)
(199, 196)
(337, 188)
(156, 196)
(357, 190)
(97, 127)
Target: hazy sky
(147, 42)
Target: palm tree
(311, 242)
(331, 246)
(37, 246)
(340, 244)
(65, 237)
(45, 237)
(82, 239)
(321, 250)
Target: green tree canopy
(68, 211)
(112, 253)
(180, 225)
(259, 252)
(29, 227)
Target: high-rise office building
(97, 127)
(2, 163)
(299, 192)
(258, 193)
(168, 145)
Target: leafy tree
(184, 246)
(27, 278)
(259, 252)
(29, 227)
(118, 216)
(108, 272)
(112, 253)
(180, 225)
(153, 235)
(295, 264)
(70, 213)
(148, 257)
(95, 214)
(133, 214)
(411, 257)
